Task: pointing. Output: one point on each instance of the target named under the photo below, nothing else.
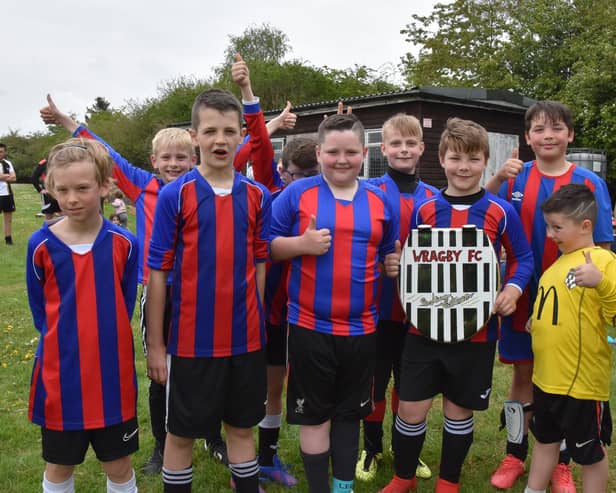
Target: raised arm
(52, 115)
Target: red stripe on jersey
(254, 244)
(189, 281)
(51, 356)
(88, 341)
(124, 333)
(550, 249)
(459, 217)
(150, 197)
(527, 212)
(377, 215)
(308, 202)
(223, 308)
(342, 246)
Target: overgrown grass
(21, 465)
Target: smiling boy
(335, 229)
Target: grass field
(21, 465)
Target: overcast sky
(123, 49)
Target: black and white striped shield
(449, 280)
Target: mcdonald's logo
(542, 297)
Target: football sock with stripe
(407, 441)
(457, 440)
(177, 481)
(246, 476)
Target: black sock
(316, 467)
(373, 436)
(407, 441)
(177, 481)
(8, 239)
(158, 410)
(344, 444)
(518, 450)
(268, 445)
(457, 440)
(245, 476)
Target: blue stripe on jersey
(240, 210)
(107, 332)
(325, 264)
(70, 372)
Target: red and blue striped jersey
(276, 287)
(84, 370)
(336, 293)
(212, 243)
(526, 192)
(499, 221)
(402, 204)
(142, 187)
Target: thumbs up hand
(316, 241)
(392, 261)
(239, 71)
(512, 166)
(587, 275)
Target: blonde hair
(464, 136)
(74, 150)
(168, 137)
(403, 123)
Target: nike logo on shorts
(580, 445)
(126, 437)
(364, 403)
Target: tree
(100, 105)
(262, 43)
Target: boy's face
(2, 152)
(77, 191)
(341, 155)
(547, 139)
(172, 161)
(463, 172)
(115, 220)
(293, 172)
(402, 151)
(218, 136)
(568, 234)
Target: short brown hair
(464, 136)
(574, 200)
(552, 111)
(403, 123)
(300, 151)
(217, 99)
(74, 150)
(340, 123)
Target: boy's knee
(58, 473)
(119, 470)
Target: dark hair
(574, 200)
(300, 151)
(217, 99)
(464, 136)
(3, 146)
(552, 111)
(340, 123)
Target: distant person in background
(7, 202)
(49, 206)
(115, 219)
(119, 206)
